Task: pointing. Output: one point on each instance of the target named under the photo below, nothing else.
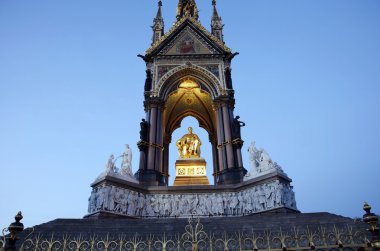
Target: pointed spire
(215, 12)
(187, 8)
(216, 23)
(158, 24)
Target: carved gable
(187, 37)
(187, 42)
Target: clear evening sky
(307, 84)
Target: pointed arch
(170, 81)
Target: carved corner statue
(110, 166)
(236, 128)
(148, 81)
(144, 126)
(228, 77)
(189, 146)
(126, 166)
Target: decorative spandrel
(189, 146)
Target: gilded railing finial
(14, 229)
(372, 220)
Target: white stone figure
(119, 200)
(269, 194)
(252, 150)
(262, 198)
(111, 199)
(265, 161)
(132, 203)
(289, 197)
(261, 162)
(208, 205)
(92, 201)
(110, 166)
(232, 204)
(293, 197)
(219, 205)
(256, 199)
(126, 164)
(100, 199)
(175, 206)
(278, 187)
(167, 205)
(194, 204)
(241, 204)
(201, 208)
(186, 205)
(156, 205)
(140, 204)
(249, 201)
(124, 204)
(148, 211)
(106, 193)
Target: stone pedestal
(191, 172)
(113, 196)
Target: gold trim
(144, 143)
(224, 144)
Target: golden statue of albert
(189, 146)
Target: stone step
(114, 227)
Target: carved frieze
(260, 198)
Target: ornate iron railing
(334, 237)
(2, 239)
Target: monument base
(191, 171)
(120, 198)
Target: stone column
(159, 142)
(220, 139)
(239, 157)
(232, 171)
(215, 160)
(228, 136)
(150, 172)
(152, 139)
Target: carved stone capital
(153, 102)
(224, 100)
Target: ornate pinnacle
(159, 13)
(216, 23)
(187, 8)
(158, 24)
(215, 13)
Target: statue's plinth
(191, 171)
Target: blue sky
(307, 84)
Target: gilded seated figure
(189, 146)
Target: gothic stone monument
(188, 73)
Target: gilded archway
(189, 99)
